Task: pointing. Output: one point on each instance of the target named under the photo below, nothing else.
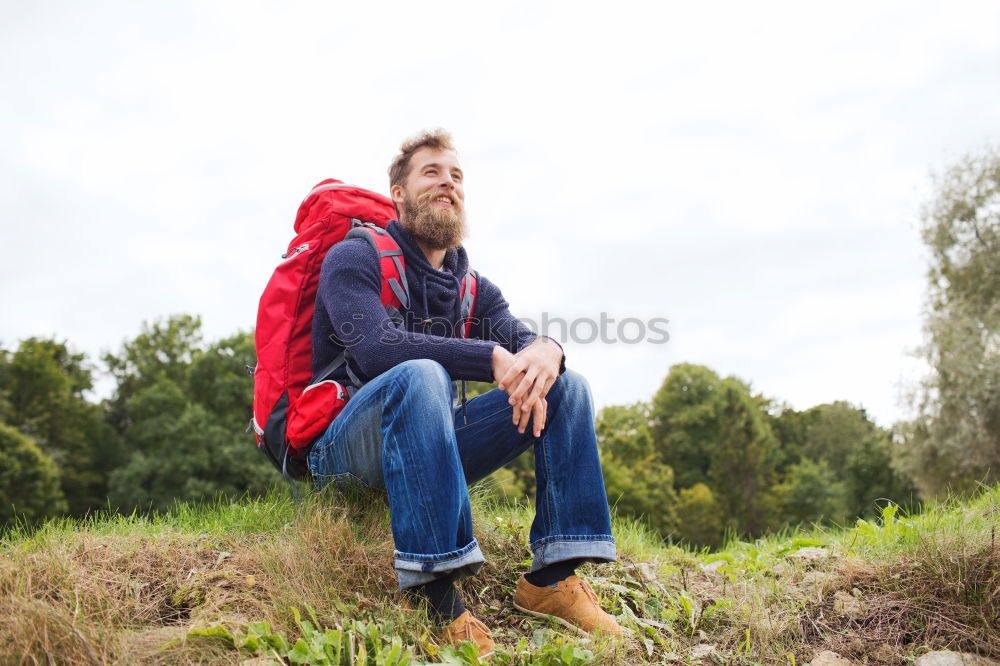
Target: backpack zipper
(295, 250)
(340, 389)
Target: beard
(438, 227)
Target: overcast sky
(752, 172)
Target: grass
(271, 581)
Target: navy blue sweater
(349, 313)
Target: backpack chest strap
(395, 290)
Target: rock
(809, 554)
(814, 577)
(646, 571)
(712, 566)
(949, 658)
(827, 658)
(847, 605)
(702, 651)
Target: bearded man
(402, 431)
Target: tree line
(703, 458)
(174, 428)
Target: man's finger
(539, 413)
(511, 385)
(511, 379)
(527, 384)
(537, 391)
(548, 385)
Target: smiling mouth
(444, 200)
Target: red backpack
(291, 406)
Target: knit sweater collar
(433, 293)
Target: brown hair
(438, 139)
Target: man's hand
(527, 378)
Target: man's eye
(456, 176)
(430, 172)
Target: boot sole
(547, 616)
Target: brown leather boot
(571, 602)
(467, 628)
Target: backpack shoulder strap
(469, 288)
(395, 290)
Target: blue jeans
(401, 431)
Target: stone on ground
(827, 658)
(809, 554)
(949, 658)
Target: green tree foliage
(851, 447)
(474, 389)
(29, 480)
(741, 468)
(870, 478)
(712, 431)
(182, 409)
(685, 422)
(43, 386)
(833, 430)
(162, 351)
(700, 518)
(810, 492)
(955, 440)
(638, 483)
(789, 427)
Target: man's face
(432, 200)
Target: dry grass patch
(942, 600)
(79, 597)
(131, 592)
(69, 600)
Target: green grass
(271, 579)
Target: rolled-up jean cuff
(414, 569)
(597, 548)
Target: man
(402, 431)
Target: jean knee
(426, 377)
(572, 385)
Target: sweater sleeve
(349, 286)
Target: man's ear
(396, 193)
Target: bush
(29, 480)
(699, 516)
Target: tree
(789, 427)
(43, 385)
(955, 439)
(182, 409)
(869, 478)
(700, 519)
(685, 422)
(856, 453)
(742, 462)
(833, 431)
(810, 493)
(638, 483)
(29, 480)
(163, 350)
